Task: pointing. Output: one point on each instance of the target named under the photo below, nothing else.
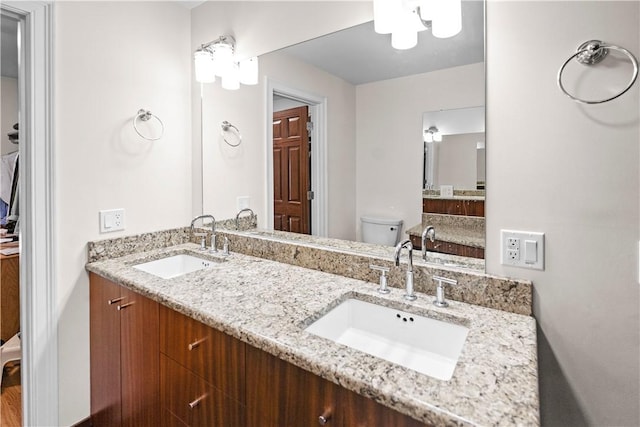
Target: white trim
(319, 180)
(38, 311)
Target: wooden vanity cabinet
(124, 356)
(202, 378)
(280, 394)
(152, 366)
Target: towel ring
(590, 53)
(145, 115)
(226, 127)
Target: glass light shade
(404, 38)
(249, 71)
(203, 64)
(447, 18)
(426, 10)
(384, 15)
(231, 79)
(428, 137)
(222, 58)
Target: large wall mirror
(367, 102)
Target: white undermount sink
(174, 266)
(429, 346)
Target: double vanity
(287, 333)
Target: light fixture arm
(427, 24)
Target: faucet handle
(383, 289)
(440, 300)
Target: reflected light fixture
(403, 19)
(217, 58)
(432, 134)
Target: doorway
(10, 345)
(317, 109)
(38, 298)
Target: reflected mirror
(370, 101)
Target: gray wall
(570, 171)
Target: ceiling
(9, 47)
(360, 55)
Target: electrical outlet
(522, 249)
(513, 243)
(111, 220)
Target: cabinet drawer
(211, 354)
(192, 401)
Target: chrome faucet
(409, 295)
(238, 216)
(203, 245)
(428, 233)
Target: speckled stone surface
(463, 230)
(353, 259)
(268, 304)
(457, 194)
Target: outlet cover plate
(524, 249)
(111, 220)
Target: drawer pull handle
(123, 306)
(196, 402)
(114, 300)
(196, 344)
(325, 417)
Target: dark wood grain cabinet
(124, 356)
(280, 394)
(453, 206)
(152, 366)
(202, 373)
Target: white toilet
(381, 231)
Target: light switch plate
(523, 249)
(111, 220)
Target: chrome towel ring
(227, 128)
(145, 115)
(590, 53)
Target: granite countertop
(452, 234)
(268, 304)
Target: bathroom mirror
(373, 117)
(456, 156)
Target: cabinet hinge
(310, 195)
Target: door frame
(318, 108)
(38, 296)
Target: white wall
(9, 113)
(232, 172)
(389, 137)
(112, 58)
(572, 172)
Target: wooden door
(104, 332)
(291, 182)
(140, 359)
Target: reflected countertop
(268, 304)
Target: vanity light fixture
(217, 58)
(432, 134)
(403, 19)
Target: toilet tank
(381, 231)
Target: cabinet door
(139, 355)
(193, 401)
(211, 354)
(105, 352)
(359, 411)
(282, 395)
